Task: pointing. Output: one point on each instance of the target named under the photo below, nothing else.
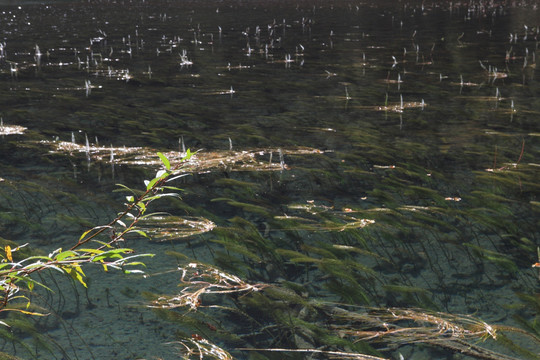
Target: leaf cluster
(16, 271)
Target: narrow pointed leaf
(165, 161)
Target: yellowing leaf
(25, 312)
(75, 273)
(79, 269)
(8, 253)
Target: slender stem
(130, 207)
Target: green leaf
(65, 254)
(103, 243)
(120, 251)
(172, 188)
(91, 251)
(189, 154)
(151, 183)
(40, 265)
(159, 176)
(165, 161)
(136, 263)
(92, 229)
(38, 257)
(141, 206)
(107, 256)
(130, 198)
(111, 254)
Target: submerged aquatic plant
(198, 162)
(198, 280)
(164, 227)
(201, 349)
(320, 327)
(401, 239)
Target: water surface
(407, 132)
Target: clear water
(425, 118)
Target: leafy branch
(108, 254)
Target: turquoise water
(382, 156)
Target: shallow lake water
(353, 155)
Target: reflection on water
(400, 145)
